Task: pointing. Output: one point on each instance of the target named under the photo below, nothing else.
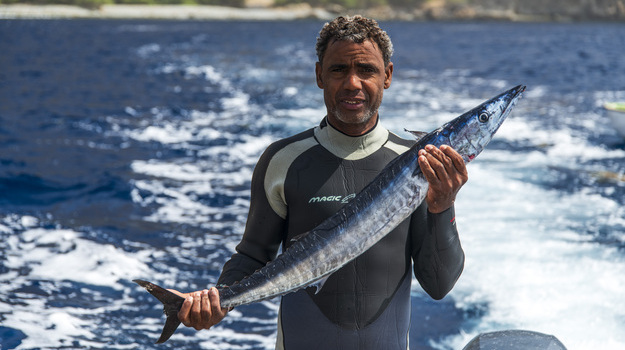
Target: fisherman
(302, 180)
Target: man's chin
(354, 118)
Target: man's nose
(352, 82)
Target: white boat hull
(616, 113)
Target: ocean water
(127, 148)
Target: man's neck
(350, 147)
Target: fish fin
(171, 305)
(319, 284)
(160, 293)
(300, 236)
(171, 324)
(418, 134)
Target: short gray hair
(356, 29)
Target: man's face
(353, 79)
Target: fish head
(469, 133)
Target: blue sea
(127, 148)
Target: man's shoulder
(291, 143)
(287, 149)
(274, 164)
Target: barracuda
(382, 205)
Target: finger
(206, 310)
(447, 154)
(438, 162)
(183, 314)
(434, 151)
(456, 158)
(454, 174)
(427, 170)
(184, 295)
(457, 170)
(216, 304)
(442, 154)
(196, 317)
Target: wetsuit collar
(350, 147)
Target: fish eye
(483, 117)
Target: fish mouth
(516, 93)
(518, 90)
(512, 98)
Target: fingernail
(205, 292)
(429, 147)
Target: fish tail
(171, 305)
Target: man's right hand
(201, 309)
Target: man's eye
(368, 70)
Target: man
(301, 180)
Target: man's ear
(318, 74)
(388, 75)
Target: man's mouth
(352, 103)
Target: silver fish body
(380, 207)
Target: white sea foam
(54, 259)
(532, 269)
(165, 134)
(52, 255)
(148, 49)
(176, 184)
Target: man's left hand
(445, 171)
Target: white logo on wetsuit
(332, 199)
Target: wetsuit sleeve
(263, 233)
(436, 250)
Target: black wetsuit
(300, 181)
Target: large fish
(382, 205)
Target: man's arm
(436, 251)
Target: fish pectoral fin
(300, 236)
(319, 284)
(170, 327)
(417, 134)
